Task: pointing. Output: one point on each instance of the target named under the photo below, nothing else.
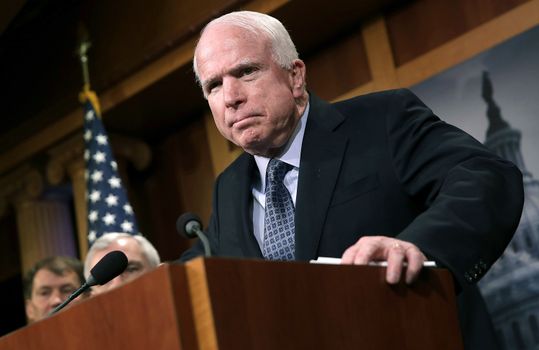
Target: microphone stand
(194, 227)
(73, 295)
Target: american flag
(108, 206)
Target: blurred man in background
(141, 255)
(49, 283)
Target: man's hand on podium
(403, 258)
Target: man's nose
(233, 93)
(57, 298)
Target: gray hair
(107, 239)
(283, 49)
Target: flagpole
(84, 45)
(82, 51)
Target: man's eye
(213, 86)
(132, 269)
(43, 293)
(68, 289)
(248, 71)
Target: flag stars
(90, 115)
(109, 219)
(97, 176)
(95, 196)
(101, 139)
(99, 157)
(114, 182)
(108, 209)
(91, 236)
(93, 216)
(111, 200)
(128, 209)
(127, 226)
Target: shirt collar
(291, 152)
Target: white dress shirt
(290, 155)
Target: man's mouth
(243, 120)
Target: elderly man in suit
(376, 177)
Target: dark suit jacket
(384, 164)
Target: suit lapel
(244, 215)
(321, 156)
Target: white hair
(107, 239)
(283, 49)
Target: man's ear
(29, 308)
(297, 76)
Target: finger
(366, 252)
(415, 264)
(348, 255)
(363, 251)
(395, 261)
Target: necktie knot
(277, 171)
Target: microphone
(110, 266)
(189, 226)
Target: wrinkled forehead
(46, 277)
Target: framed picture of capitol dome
(495, 97)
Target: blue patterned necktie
(279, 241)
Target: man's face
(136, 266)
(255, 103)
(48, 291)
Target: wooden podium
(253, 304)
